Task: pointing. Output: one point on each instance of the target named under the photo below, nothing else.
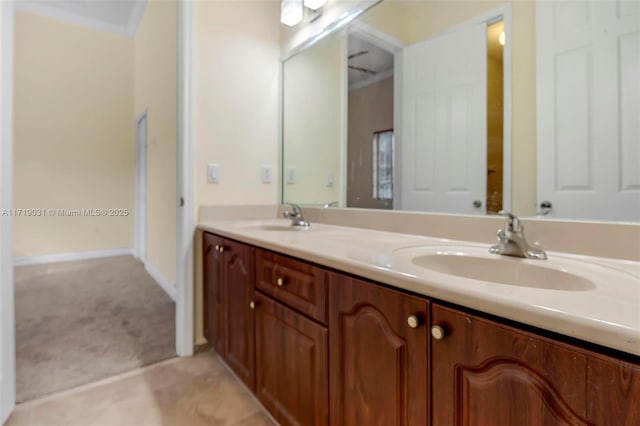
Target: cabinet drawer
(293, 282)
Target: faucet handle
(297, 211)
(513, 222)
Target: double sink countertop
(595, 299)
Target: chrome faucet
(511, 240)
(296, 216)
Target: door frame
(185, 212)
(7, 322)
(140, 189)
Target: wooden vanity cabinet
(320, 347)
(486, 373)
(291, 364)
(378, 355)
(228, 289)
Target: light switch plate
(291, 175)
(213, 173)
(267, 174)
(330, 179)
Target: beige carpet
(78, 322)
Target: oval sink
(476, 263)
(503, 271)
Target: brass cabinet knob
(437, 332)
(217, 247)
(280, 282)
(252, 305)
(413, 321)
(221, 249)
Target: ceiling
(118, 16)
(368, 63)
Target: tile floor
(180, 392)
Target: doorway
(496, 39)
(79, 161)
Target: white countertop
(608, 315)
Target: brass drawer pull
(280, 282)
(437, 332)
(413, 321)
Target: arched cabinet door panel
(378, 356)
(484, 372)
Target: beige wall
(154, 74)
(370, 110)
(237, 94)
(237, 89)
(314, 88)
(73, 135)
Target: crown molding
(45, 10)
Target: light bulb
(291, 12)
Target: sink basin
(478, 264)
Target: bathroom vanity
(332, 325)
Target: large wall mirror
(470, 107)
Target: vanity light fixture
(502, 38)
(291, 12)
(314, 4)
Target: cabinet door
(485, 373)
(238, 331)
(378, 373)
(291, 364)
(213, 292)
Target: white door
(588, 85)
(7, 340)
(444, 137)
(141, 188)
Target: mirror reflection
(445, 107)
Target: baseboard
(168, 288)
(67, 257)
